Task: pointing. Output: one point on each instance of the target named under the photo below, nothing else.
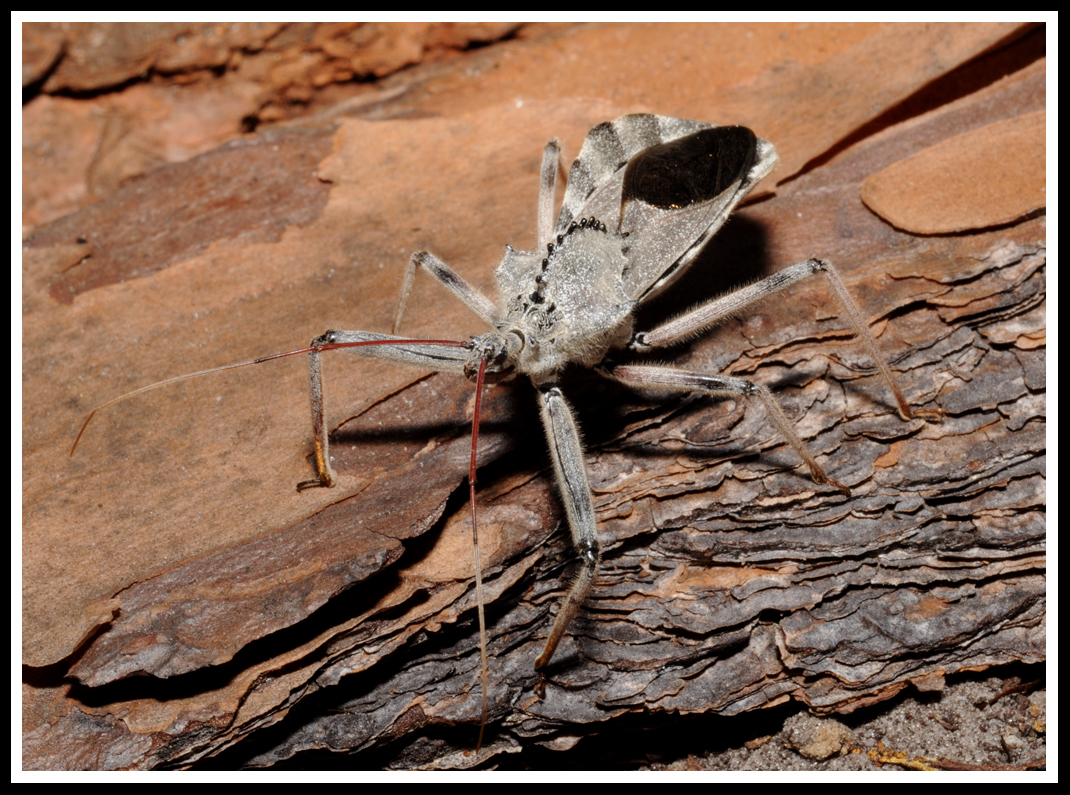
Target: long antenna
(475, 549)
(330, 346)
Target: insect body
(643, 197)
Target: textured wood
(273, 624)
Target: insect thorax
(567, 304)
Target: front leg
(439, 355)
(566, 451)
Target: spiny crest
(553, 246)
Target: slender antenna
(325, 347)
(475, 550)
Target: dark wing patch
(692, 169)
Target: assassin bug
(643, 197)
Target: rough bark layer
(272, 624)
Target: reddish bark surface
(182, 600)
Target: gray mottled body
(643, 197)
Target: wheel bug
(643, 197)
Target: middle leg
(482, 306)
(722, 386)
(704, 317)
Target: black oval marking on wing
(692, 169)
